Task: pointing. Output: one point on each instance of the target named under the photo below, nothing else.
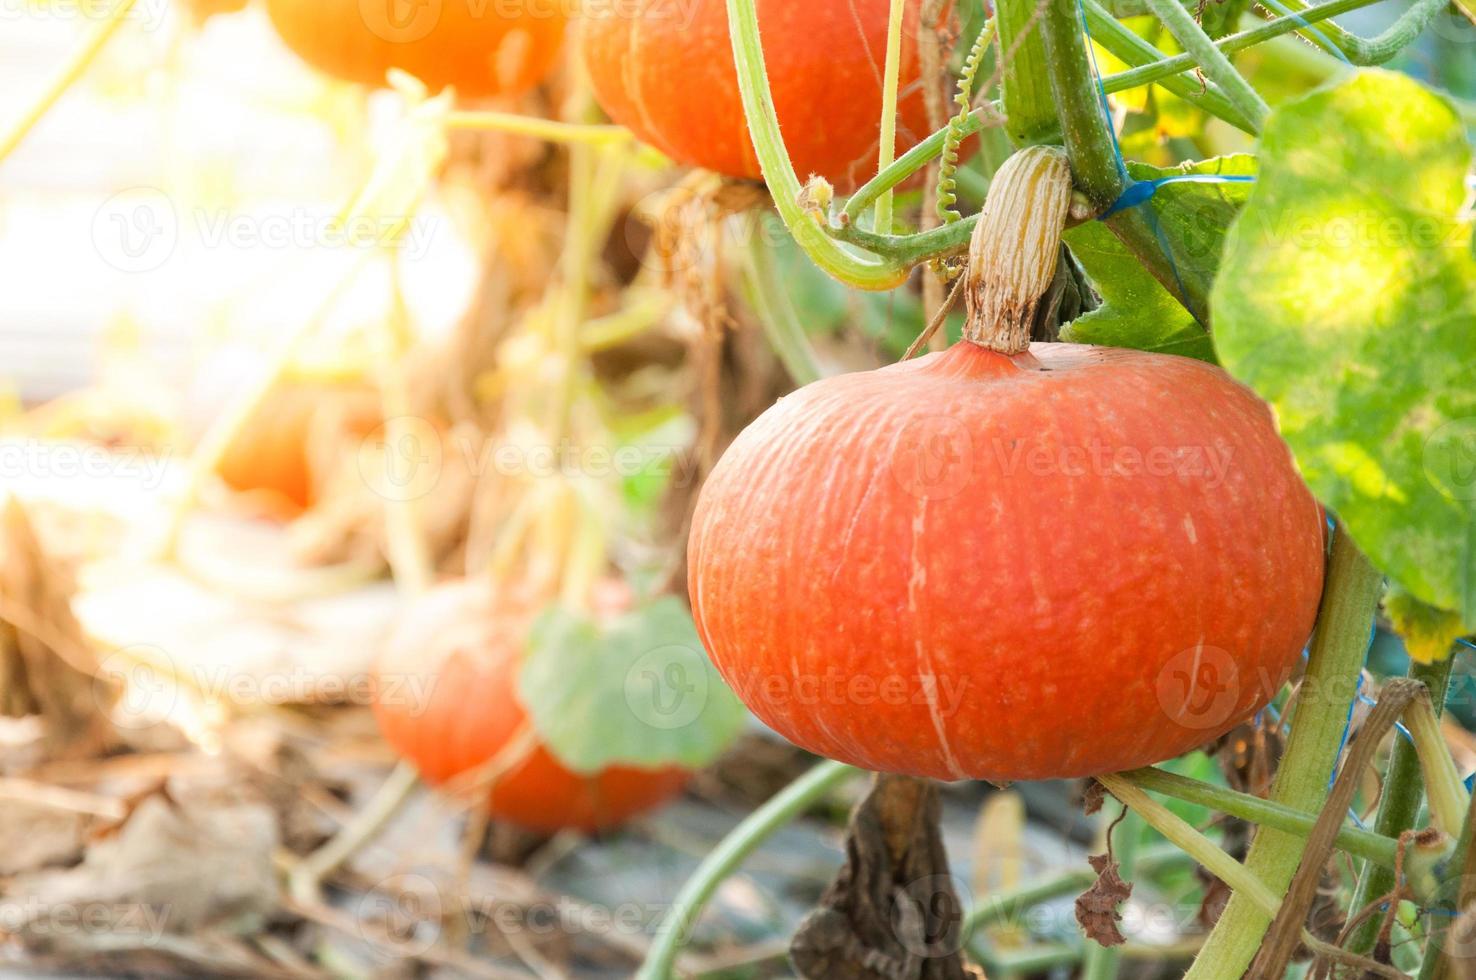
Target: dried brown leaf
(893, 912)
(1092, 797)
(1097, 908)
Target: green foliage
(1347, 299)
(636, 691)
(1137, 311)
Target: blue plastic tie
(1142, 191)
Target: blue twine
(1139, 192)
(1398, 725)
(1142, 191)
(1467, 643)
(1321, 38)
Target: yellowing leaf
(1429, 633)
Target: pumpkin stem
(1016, 245)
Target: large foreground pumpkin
(664, 69)
(1062, 562)
(1009, 561)
(481, 47)
(447, 700)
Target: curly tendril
(947, 187)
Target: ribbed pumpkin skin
(446, 700)
(885, 580)
(664, 69)
(483, 47)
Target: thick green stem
(1380, 849)
(1129, 47)
(946, 239)
(1350, 596)
(886, 150)
(1182, 25)
(731, 852)
(1095, 163)
(1399, 806)
(850, 267)
(1025, 89)
(1096, 168)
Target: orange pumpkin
(481, 47)
(272, 458)
(446, 698)
(1063, 562)
(665, 70)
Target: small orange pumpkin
(483, 48)
(446, 698)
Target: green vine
(1377, 848)
(859, 270)
(887, 140)
(789, 803)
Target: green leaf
(1347, 299)
(1191, 219)
(1429, 634)
(636, 691)
(1136, 311)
